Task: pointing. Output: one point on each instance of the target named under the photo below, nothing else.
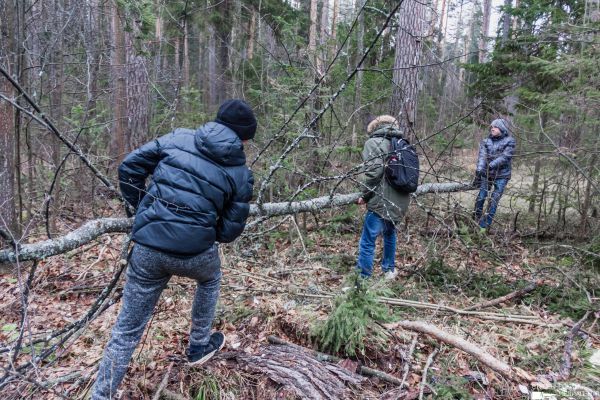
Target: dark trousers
(498, 185)
(148, 273)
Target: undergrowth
(353, 319)
(563, 298)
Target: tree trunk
(137, 89)
(119, 92)
(212, 68)
(408, 52)
(186, 55)
(334, 21)
(537, 167)
(7, 120)
(360, 49)
(56, 67)
(251, 33)
(224, 40)
(485, 28)
(506, 22)
(312, 38)
(587, 199)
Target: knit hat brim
(237, 115)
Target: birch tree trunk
(485, 28)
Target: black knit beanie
(237, 115)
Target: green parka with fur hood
(381, 198)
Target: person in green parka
(385, 205)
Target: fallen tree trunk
(93, 229)
(514, 374)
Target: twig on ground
(425, 369)
(163, 383)
(567, 363)
(408, 359)
(165, 393)
(484, 357)
(511, 296)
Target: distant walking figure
(494, 167)
(199, 195)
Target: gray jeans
(148, 273)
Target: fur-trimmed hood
(381, 121)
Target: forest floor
(286, 282)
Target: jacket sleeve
(232, 221)
(373, 169)
(506, 155)
(482, 158)
(134, 170)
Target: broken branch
(481, 355)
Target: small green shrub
(352, 321)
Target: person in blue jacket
(198, 196)
(494, 167)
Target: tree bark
(212, 67)
(408, 44)
(7, 122)
(485, 28)
(360, 49)
(119, 92)
(137, 90)
(251, 34)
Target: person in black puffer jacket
(494, 169)
(199, 195)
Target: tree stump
(298, 371)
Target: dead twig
(511, 296)
(515, 374)
(408, 359)
(567, 363)
(163, 383)
(425, 369)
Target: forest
(507, 309)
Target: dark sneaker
(201, 354)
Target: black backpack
(402, 166)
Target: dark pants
(498, 188)
(148, 273)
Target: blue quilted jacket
(199, 192)
(495, 156)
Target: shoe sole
(206, 357)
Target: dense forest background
(82, 83)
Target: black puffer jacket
(199, 192)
